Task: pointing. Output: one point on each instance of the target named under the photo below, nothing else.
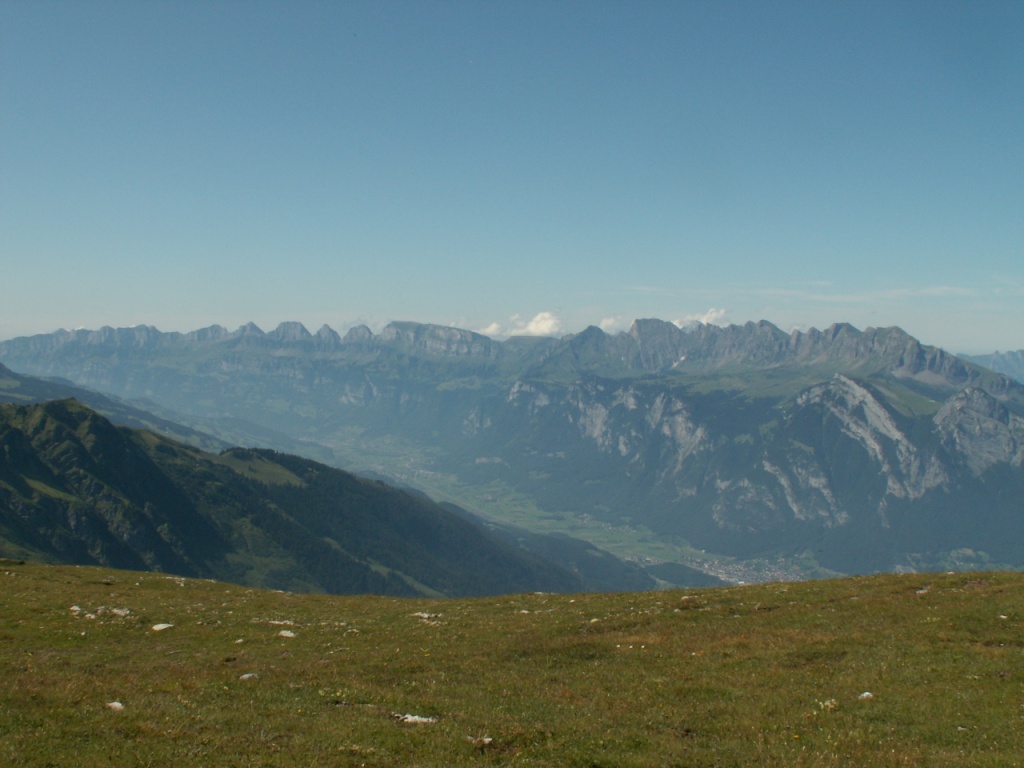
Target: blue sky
(514, 166)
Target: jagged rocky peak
(249, 329)
(836, 330)
(359, 334)
(327, 336)
(813, 340)
(661, 344)
(140, 335)
(651, 331)
(136, 336)
(438, 340)
(760, 343)
(930, 365)
(594, 347)
(290, 331)
(210, 333)
(591, 335)
(974, 400)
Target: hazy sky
(514, 166)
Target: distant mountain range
(74, 488)
(1008, 363)
(737, 450)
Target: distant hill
(745, 452)
(76, 489)
(17, 388)
(1008, 363)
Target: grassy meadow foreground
(880, 671)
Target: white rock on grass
(286, 633)
(414, 719)
(116, 706)
(249, 676)
(161, 627)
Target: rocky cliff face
(979, 431)
(836, 461)
(437, 340)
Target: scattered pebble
(286, 633)
(117, 706)
(414, 719)
(161, 627)
(480, 743)
(866, 696)
(249, 676)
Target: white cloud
(541, 324)
(712, 317)
(613, 324)
(494, 329)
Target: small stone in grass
(414, 719)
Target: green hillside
(74, 488)
(911, 670)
